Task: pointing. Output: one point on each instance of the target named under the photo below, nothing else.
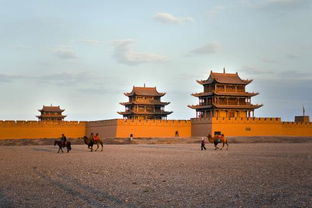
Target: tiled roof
(51, 109)
(145, 91)
(225, 78)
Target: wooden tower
(145, 103)
(51, 113)
(224, 96)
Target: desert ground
(157, 175)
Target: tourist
(91, 138)
(63, 140)
(96, 137)
(202, 147)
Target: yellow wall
(105, 128)
(153, 128)
(41, 129)
(201, 127)
(250, 127)
(122, 128)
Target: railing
(145, 111)
(223, 103)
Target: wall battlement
(152, 122)
(250, 127)
(30, 122)
(123, 128)
(41, 129)
(246, 119)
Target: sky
(83, 55)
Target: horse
(61, 145)
(91, 142)
(218, 139)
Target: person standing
(202, 147)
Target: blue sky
(83, 55)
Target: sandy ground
(176, 175)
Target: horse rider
(63, 140)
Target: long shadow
(43, 149)
(91, 196)
(54, 149)
(5, 201)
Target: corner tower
(145, 103)
(224, 95)
(51, 113)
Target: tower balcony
(145, 112)
(145, 102)
(225, 106)
(225, 93)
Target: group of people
(215, 140)
(95, 137)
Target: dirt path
(248, 175)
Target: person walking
(202, 147)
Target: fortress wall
(297, 128)
(153, 128)
(41, 129)
(250, 127)
(201, 127)
(105, 128)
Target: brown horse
(218, 139)
(91, 142)
(61, 145)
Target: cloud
(215, 10)
(65, 53)
(89, 41)
(64, 78)
(284, 75)
(252, 70)
(291, 56)
(7, 78)
(167, 18)
(124, 53)
(275, 4)
(55, 79)
(268, 60)
(209, 48)
(4, 78)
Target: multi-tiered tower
(51, 113)
(144, 103)
(224, 95)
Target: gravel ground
(176, 175)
